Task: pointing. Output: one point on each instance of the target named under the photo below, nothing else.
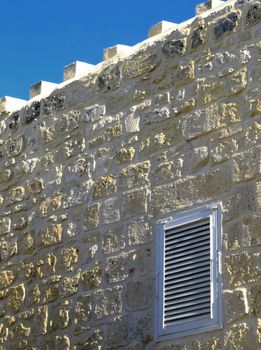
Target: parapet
(159, 31)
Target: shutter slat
(187, 257)
(185, 268)
(184, 263)
(187, 283)
(172, 318)
(186, 227)
(186, 234)
(188, 248)
(186, 294)
(187, 273)
(204, 247)
(187, 291)
(187, 243)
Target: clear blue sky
(38, 38)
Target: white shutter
(188, 278)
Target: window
(189, 273)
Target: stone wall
(87, 170)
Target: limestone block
(135, 175)
(140, 64)
(247, 165)
(120, 267)
(50, 206)
(198, 37)
(239, 337)
(70, 121)
(138, 294)
(51, 235)
(77, 70)
(210, 118)
(253, 15)
(176, 195)
(110, 211)
(135, 201)
(70, 256)
(6, 278)
(16, 297)
(113, 51)
(83, 309)
(62, 342)
(139, 232)
(94, 113)
(255, 297)
(46, 266)
(91, 216)
(104, 186)
(113, 240)
(13, 121)
(244, 199)
(109, 79)
(53, 103)
(14, 146)
(237, 82)
(124, 155)
(32, 112)
(40, 321)
(69, 285)
(174, 48)
(243, 268)
(10, 104)
(35, 186)
(5, 225)
(213, 344)
(233, 235)
(251, 235)
(235, 304)
(223, 149)
(52, 288)
(8, 248)
(118, 331)
(74, 146)
(42, 87)
(185, 74)
(225, 25)
(16, 194)
(107, 302)
(92, 278)
(161, 27)
(92, 342)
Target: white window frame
(213, 211)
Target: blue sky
(38, 38)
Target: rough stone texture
(87, 171)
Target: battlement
(156, 33)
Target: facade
(130, 195)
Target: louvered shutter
(189, 280)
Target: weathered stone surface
(94, 113)
(110, 211)
(6, 278)
(225, 24)
(92, 278)
(138, 294)
(5, 225)
(251, 235)
(235, 304)
(107, 302)
(140, 64)
(135, 175)
(120, 267)
(124, 155)
(53, 103)
(135, 201)
(173, 48)
(253, 15)
(113, 240)
(91, 216)
(213, 344)
(139, 232)
(240, 337)
(109, 79)
(16, 297)
(14, 146)
(197, 37)
(185, 74)
(51, 235)
(247, 165)
(32, 112)
(69, 285)
(243, 268)
(16, 194)
(103, 186)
